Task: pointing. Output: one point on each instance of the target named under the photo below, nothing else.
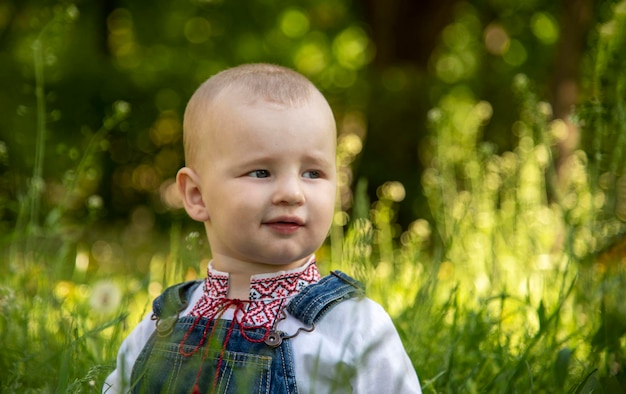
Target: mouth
(285, 224)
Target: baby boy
(260, 174)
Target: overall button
(274, 339)
(165, 326)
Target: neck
(240, 272)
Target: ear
(188, 182)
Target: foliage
(513, 280)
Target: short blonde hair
(267, 81)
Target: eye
(259, 174)
(312, 174)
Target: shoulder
(146, 327)
(339, 302)
(359, 315)
(343, 298)
(355, 342)
(134, 343)
(177, 298)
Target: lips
(285, 224)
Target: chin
(284, 261)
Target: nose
(289, 192)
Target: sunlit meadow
(513, 283)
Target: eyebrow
(314, 159)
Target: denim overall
(190, 354)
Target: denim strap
(166, 308)
(174, 299)
(314, 301)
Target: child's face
(268, 179)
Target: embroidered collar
(269, 293)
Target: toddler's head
(260, 154)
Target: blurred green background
(382, 65)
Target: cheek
(226, 196)
(238, 205)
(325, 206)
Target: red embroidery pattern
(267, 296)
